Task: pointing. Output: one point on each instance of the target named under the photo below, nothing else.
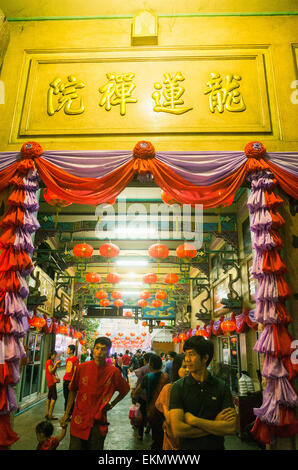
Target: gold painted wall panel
(139, 117)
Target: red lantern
(77, 335)
(144, 323)
(161, 295)
(108, 334)
(53, 200)
(150, 278)
(101, 294)
(113, 278)
(228, 326)
(162, 323)
(120, 334)
(109, 250)
(142, 303)
(92, 277)
(118, 303)
(128, 314)
(38, 322)
(171, 278)
(83, 342)
(132, 334)
(116, 294)
(145, 294)
(116, 338)
(144, 334)
(157, 303)
(82, 250)
(104, 303)
(158, 251)
(127, 338)
(200, 332)
(186, 251)
(167, 199)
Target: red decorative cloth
(7, 435)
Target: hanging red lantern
(162, 323)
(161, 295)
(108, 334)
(145, 294)
(167, 199)
(104, 303)
(127, 338)
(157, 303)
(128, 314)
(228, 326)
(38, 322)
(144, 323)
(118, 303)
(142, 303)
(132, 334)
(116, 338)
(186, 251)
(82, 250)
(144, 334)
(113, 278)
(149, 278)
(53, 200)
(158, 251)
(116, 294)
(120, 334)
(83, 342)
(171, 278)
(109, 250)
(101, 294)
(93, 278)
(77, 335)
(200, 332)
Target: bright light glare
(130, 283)
(131, 293)
(131, 262)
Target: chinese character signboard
(166, 312)
(135, 92)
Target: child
(44, 431)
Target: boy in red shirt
(71, 365)
(44, 431)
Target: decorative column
(17, 225)
(276, 417)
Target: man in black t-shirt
(201, 406)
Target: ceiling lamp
(83, 250)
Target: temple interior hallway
(121, 435)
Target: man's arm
(70, 400)
(63, 432)
(180, 428)
(224, 424)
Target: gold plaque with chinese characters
(143, 91)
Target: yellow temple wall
(262, 48)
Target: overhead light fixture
(131, 293)
(130, 283)
(131, 262)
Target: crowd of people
(174, 397)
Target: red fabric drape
(287, 181)
(84, 190)
(6, 175)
